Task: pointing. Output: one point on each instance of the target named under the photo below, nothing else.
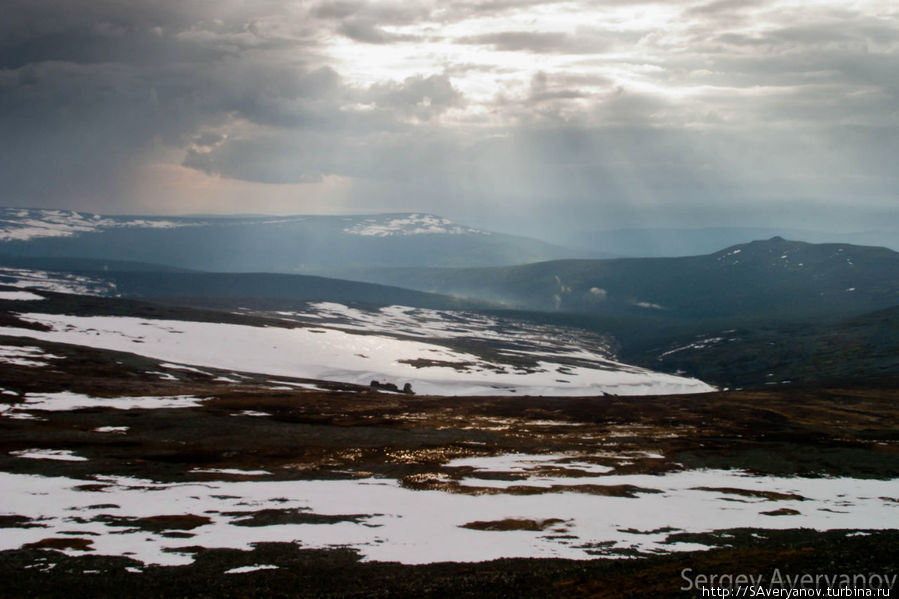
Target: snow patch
(22, 225)
(253, 568)
(56, 281)
(63, 455)
(251, 413)
(231, 471)
(23, 296)
(183, 367)
(112, 429)
(412, 224)
(649, 305)
(65, 401)
(394, 523)
(25, 356)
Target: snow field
(335, 355)
(386, 522)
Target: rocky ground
(289, 431)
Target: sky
(532, 116)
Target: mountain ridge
(312, 244)
(679, 242)
(766, 276)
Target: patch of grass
(512, 524)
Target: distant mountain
(82, 265)
(659, 242)
(291, 244)
(284, 287)
(763, 312)
(762, 279)
(219, 290)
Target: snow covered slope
(21, 224)
(356, 357)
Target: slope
(855, 351)
(775, 278)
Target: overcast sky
(520, 115)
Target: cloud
(530, 41)
(365, 31)
(336, 10)
(537, 110)
(420, 96)
(582, 41)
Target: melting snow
(182, 367)
(25, 356)
(63, 455)
(55, 281)
(66, 400)
(21, 225)
(649, 305)
(335, 355)
(513, 462)
(19, 296)
(515, 337)
(231, 471)
(253, 568)
(252, 413)
(413, 224)
(112, 429)
(701, 344)
(12, 413)
(392, 523)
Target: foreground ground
(127, 475)
(338, 573)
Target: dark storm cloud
(99, 99)
(67, 127)
(582, 41)
(724, 7)
(362, 30)
(422, 96)
(400, 156)
(590, 117)
(364, 22)
(91, 90)
(530, 41)
(269, 158)
(374, 13)
(94, 120)
(336, 10)
(306, 134)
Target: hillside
(759, 313)
(90, 277)
(82, 265)
(854, 351)
(775, 278)
(667, 242)
(430, 352)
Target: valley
(231, 434)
